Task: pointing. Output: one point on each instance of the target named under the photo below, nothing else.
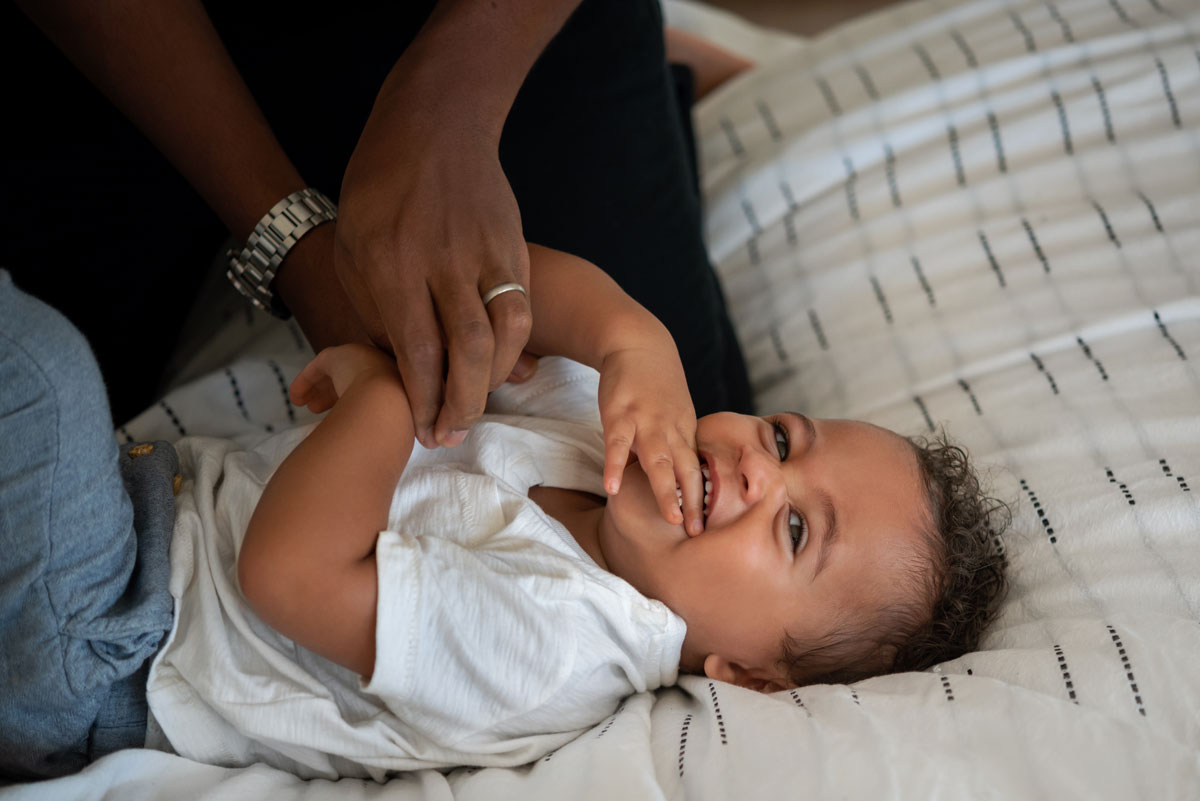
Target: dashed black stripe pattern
(1087, 351)
(864, 78)
(1041, 513)
(785, 189)
(851, 187)
(965, 387)
(1162, 327)
(916, 265)
(967, 52)
(997, 141)
(1056, 98)
(712, 691)
(735, 143)
(611, 721)
(769, 121)
(1037, 248)
(1108, 229)
(798, 702)
(1166, 87)
(777, 342)
(174, 419)
(960, 175)
(1019, 24)
(946, 687)
(283, 387)
(924, 412)
(550, 755)
(818, 329)
(926, 61)
(1112, 479)
(1063, 25)
(128, 437)
(1166, 468)
(1066, 673)
(1122, 14)
(854, 697)
(1042, 369)
(1137, 697)
(751, 217)
(831, 100)
(1153, 213)
(987, 249)
(882, 299)
(1109, 132)
(683, 735)
(789, 228)
(237, 394)
(752, 251)
(889, 161)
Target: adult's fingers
(511, 321)
(470, 344)
(417, 344)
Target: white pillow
(984, 215)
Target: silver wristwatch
(253, 269)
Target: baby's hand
(646, 409)
(327, 377)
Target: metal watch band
(253, 269)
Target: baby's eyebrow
(831, 531)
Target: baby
(345, 605)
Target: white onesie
(497, 638)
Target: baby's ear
(757, 679)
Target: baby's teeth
(679, 492)
(704, 470)
(707, 488)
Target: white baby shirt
(497, 638)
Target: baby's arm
(307, 564)
(645, 406)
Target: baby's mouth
(708, 485)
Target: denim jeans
(85, 529)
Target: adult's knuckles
(473, 339)
(515, 323)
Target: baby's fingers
(618, 439)
(691, 488)
(657, 461)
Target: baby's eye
(781, 440)
(799, 530)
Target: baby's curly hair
(960, 583)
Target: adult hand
(427, 224)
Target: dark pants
(100, 226)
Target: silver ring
(500, 289)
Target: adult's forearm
(162, 63)
(470, 59)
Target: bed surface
(983, 215)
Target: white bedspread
(983, 214)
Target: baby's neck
(579, 512)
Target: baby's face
(807, 523)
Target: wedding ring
(500, 289)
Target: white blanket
(983, 214)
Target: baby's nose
(761, 477)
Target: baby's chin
(635, 514)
